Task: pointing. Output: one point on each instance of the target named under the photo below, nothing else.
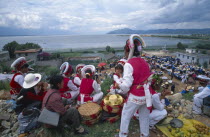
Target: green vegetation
(193, 36)
(106, 85)
(4, 85)
(69, 54)
(188, 96)
(203, 46)
(205, 65)
(12, 46)
(181, 46)
(110, 49)
(4, 68)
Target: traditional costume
(16, 83)
(158, 111)
(77, 78)
(135, 82)
(30, 94)
(69, 90)
(117, 79)
(90, 90)
(198, 98)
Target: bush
(4, 85)
(106, 85)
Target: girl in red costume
(136, 82)
(90, 90)
(16, 84)
(69, 90)
(78, 77)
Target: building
(30, 54)
(4, 55)
(194, 58)
(111, 57)
(190, 50)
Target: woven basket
(112, 108)
(113, 119)
(89, 111)
(91, 121)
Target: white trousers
(128, 111)
(197, 105)
(156, 116)
(96, 98)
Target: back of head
(55, 80)
(88, 73)
(119, 66)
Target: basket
(89, 111)
(112, 103)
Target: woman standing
(136, 83)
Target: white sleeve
(157, 103)
(116, 79)
(77, 81)
(127, 80)
(19, 79)
(96, 87)
(72, 86)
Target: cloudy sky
(102, 16)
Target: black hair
(55, 80)
(119, 66)
(88, 73)
(24, 66)
(136, 51)
(72, 71)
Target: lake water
(87, 41)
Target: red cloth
(87, 89)
(141, 72)
(32, 96)
(15, 87)
(115, 81)
(65, 85)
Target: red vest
(15, 87)
(141, 72)
(65, 85)
(115, 81)
(87, 89)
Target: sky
(102, 16)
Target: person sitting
(90, 90)
(16, 84)
(198, 99)
(53, 102)
(78, 77)
(158, 112)
(69, 91)
(117, 77)
(32, 93)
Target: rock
(5, 132)
(5, 124)
(188, 116)
(4, 116)
(189, 108)
(4, 95)
(175, 113)
(15, 126)
(188, 102)
(174, 99)
(10, 110)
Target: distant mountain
(161, 31)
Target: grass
(106, 85)
(4, 85)
(70, 54)
(104, 129)
(188, 96)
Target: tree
(11, 47)
(205, 65)
(108, 48)
(181, 46)
(28, 46)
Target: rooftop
(194, 54)
(28, 51)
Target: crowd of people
(133, 79)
